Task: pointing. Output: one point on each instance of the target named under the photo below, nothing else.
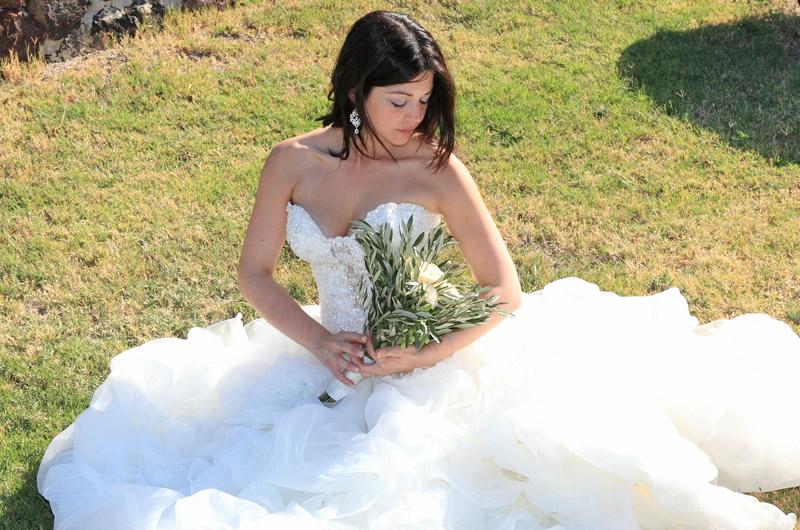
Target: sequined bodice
(337, 263)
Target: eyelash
(401, 105)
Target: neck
(372, 148)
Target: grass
(639, 145)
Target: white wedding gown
(586, 411)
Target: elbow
(245, 280)
(512, 301)
(253, 281)
(241, 281)
(512, 295)
(509, 297)
(508, 293)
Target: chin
(396, 142)
(397, 139)
(403, 139)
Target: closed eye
(401, 105)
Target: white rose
(449, 289)
(429, 273)
(431, 294)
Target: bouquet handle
(337, 390)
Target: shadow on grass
(26, 509)
(739, 79)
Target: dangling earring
(355, 120)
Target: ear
(352, 96)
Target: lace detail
(337, 263)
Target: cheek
(385, 115)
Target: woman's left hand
(397, 359)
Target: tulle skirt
(586, 410)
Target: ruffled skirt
(586, 411)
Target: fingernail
(363, 338)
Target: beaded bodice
(337, 263)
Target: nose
(416, 112)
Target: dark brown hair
(382, 49)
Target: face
(395, 111)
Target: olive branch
(405, 303)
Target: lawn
(638, 145)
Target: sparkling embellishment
(355, 120)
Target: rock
(124, 21)
(63, 29)
(12, 4)
(20, 34)
(79, 42)
(58, 16)
(98, 26)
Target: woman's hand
(340, 352)
(396, 359)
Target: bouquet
(408, 293)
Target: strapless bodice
(337, 263)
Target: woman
(587, 410)
(392, 78)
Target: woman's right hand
(340, 352)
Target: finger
(369, 345)
(346, 362)
(352, 357)
(356, 350)
(352, 367)
(338, 373)
(348, 347)
(351, 336)
(359, 361)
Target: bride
(585, 411)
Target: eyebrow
(403, 93)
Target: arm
(458, 199)
(263, 242)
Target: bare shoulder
(300, 155)
(456, 169)
(453, 184)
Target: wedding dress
(586, 411)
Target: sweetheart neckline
(349, 234)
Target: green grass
(639, 145)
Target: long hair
(381, 49)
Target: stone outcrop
(12, 4)
(20, 34)
(58, 18)
(62, 29)
(111, 19)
